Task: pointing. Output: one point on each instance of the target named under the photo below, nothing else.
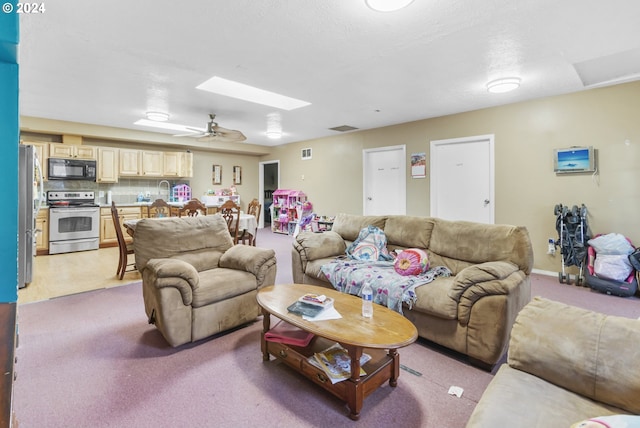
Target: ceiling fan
(213, 132)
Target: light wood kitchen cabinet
(177, 164)
(152, 163)
(108, 236)
(57, 150)
(130, 162)
(42, 232)
(42, 150)
(171, 164)
(107, 165)
(186, 166)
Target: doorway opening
(269, 174)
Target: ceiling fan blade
(230, 134)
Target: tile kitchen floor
(63, 274)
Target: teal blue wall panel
(9, 139)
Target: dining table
(247, 222)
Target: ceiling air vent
(343, 128)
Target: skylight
(166, 125)
(232, 89)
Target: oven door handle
(74, 210)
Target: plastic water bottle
(367, 300)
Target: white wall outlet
(552, 247)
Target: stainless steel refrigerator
(29, 201)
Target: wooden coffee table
(381, 335)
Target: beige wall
(202, 174)
(527, 189)
(525, 136)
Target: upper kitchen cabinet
(130, 162)
(107, 165)
(186, 166)
(42, 151)
(71, 151)
(177, 164)
(152, 163)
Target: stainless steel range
(74, 221)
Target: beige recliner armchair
(195, 282)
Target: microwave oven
(72, 169)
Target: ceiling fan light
(506, 84)
(387, 5)
(157, 116)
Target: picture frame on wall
(216, 176)
(237, 175)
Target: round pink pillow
(413, 261)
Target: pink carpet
(91, 360)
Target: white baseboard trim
(544, 272)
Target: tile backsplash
(124, 192)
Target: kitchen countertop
(144, 204)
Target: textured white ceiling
(108, 62)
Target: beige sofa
(565, 365)
(470, 312)
(195, 282)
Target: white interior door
(462, 179)
(384, 185)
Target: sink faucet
(168, 189)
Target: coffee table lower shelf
(383, 366)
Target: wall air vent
(343, 128)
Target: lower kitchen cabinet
(42, 232)
(108, 236)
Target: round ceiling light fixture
(387, 5)
(506, 84)
(157, 116)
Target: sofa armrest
(485, 279)
(314, 246)
(255, 260)
(174, 273)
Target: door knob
(369, 198)
(486, 202)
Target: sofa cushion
(349, 226)
(525, 400)
(479, 243)
(164, 238)
(433, 299)
(201, 260)
(407, 231)
(579, 350)
(313, 268)
(222, 284)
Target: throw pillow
(371, 245)
(413, 261)
(611, 421)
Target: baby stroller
(573, 234)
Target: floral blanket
(389, 288)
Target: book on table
(311, 305)
(283, 332)
(335, 361)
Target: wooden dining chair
(193, 208)
(254, 208)
(126, 248)
(159, 208)
(231, 214)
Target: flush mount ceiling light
(274, 126)
(157, 116)
(503, 85)
(387, 5)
